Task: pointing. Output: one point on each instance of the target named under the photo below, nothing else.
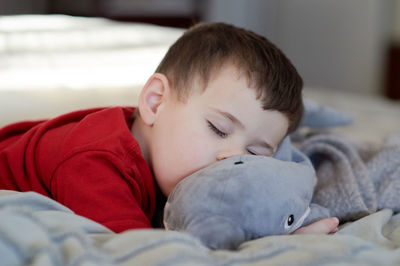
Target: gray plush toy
(247, 197)
(243, 198)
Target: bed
(54, 64)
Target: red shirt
(86, 160)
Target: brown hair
(205, 48)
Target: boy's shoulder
(95, 129)
(95, 124)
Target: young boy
(220, 91)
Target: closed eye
(259, 150)
(252, 153)
(216, 130)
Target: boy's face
(223, 121)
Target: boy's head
(219, 92)
(205, 48)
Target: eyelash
(216, 130)
(250, 152)
(223, 134)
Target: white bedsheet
(58, 51)
(35, 230)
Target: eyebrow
(240, 124)
(230, 117)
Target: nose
(230, 152)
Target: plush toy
(248, 197)
(243, 198)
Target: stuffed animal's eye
(289, 221)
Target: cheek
(180, 153)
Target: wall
(8, 7)
(336, 44)
(257, 15)
(396, 22)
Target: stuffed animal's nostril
(238, 162)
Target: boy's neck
(140, 132)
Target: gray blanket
(354, 180)
(35, 230)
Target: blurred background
(347, 45)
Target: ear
(154, 93)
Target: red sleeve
(98, 185)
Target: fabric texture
(354, 180)
(87, 160)
(35, 230)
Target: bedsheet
(35, 230)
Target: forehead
(229, 70)
(230, 85)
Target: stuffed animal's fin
(217, 232)
(318, 115)
(317, 212)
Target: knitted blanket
(354, 180)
